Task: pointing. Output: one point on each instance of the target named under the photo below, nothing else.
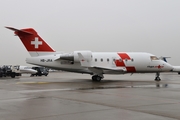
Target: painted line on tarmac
(32, 82)
(45, 90)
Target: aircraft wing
(122, 69)
(99, 69)
(109, 70)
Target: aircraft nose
(168, 67)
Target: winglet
(83, 61)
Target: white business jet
(94, 63)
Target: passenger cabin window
(154, 58)
(95, 59)
(108, 59)
(101, 59)
(132, 59)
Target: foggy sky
(99, 25)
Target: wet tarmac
(70, 96)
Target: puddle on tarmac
(157, 85)
(151, 86)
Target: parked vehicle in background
(40, 71)
(27, 70)
(10, 70)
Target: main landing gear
(157, 78)
(96, 78)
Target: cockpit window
(154, 58)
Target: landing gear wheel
(96, 78)
(93, 78)
(157, 79)
(13, 75)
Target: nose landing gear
(157, 78)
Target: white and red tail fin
(34, 44)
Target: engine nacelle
(73, 57)
(86, 54)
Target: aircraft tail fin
(34, 44)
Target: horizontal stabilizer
(17, 31)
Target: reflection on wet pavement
(74, 96)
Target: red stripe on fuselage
(130, 69)
(120, 63)
(124, 56)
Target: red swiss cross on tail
(36, 43)
(32, 41)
